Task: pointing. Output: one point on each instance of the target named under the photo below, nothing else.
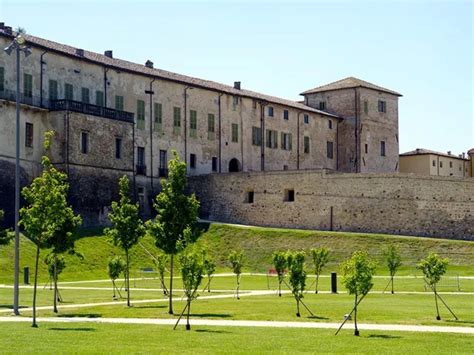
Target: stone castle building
(114, 117)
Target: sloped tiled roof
(348, 83)
(421, 151)
(124, 65)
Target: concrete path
(248, 323)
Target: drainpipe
(105, 86)
(437, 164)
(41, 77)
(298, 141)
(262, 135)
(151, 93)
(220, 130)
(356, 136)
(133, 163)
(337, 144)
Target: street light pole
(18, 44)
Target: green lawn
(128, 338)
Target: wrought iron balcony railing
(89, 109)
(140, 169)
(163, 172)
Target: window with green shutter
(256, 136)
(235, 132)
(53, 90)
(119, 103)
(211, 128)
(306, 145)
(140, 114)
(285, 141)
(272, 140)
(176, 120)
(2, 78)
(68, 92)
(99, 98)
(158, 116)
(193, 123)
(27, 85)
(85, 95)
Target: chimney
(463, 155)
(418, 150)
(449, 152)
(8, 30)
(149, 64)
(237, 85)
(80, 52)
(109, 54)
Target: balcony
(163, 172)
(89, 109)
(140, 169)
(10, 95)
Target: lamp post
(19, 45)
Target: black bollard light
(333, 282)
(26, 275)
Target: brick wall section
(384, 203)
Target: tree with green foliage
(192, 271)
(357, 278)
(320, 258)
(175, 225)
(236, 260)
(393, 260)
(209, 269)
(5, 234)
(115, 267)
(47, 219)
(56, 265)
(297, 277)
(161, 260)
(279, 263)
(433, 268)
(127, 227)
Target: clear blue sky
(422, 49)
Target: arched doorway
(234, 165)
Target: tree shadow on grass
(212, 331)
(151, 307)
(460, 321)
(74, 329)
(214, 315)
(10, 306)
(384, 336)
(80, 315)
(317, 317)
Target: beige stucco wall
(435, 165)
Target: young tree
(115, 267)
(127, 227)
(209, 269)
(433, 267)
(279, 263)
(161, 260)
(48, 220)
(5, 234)
(357, 278)
(394, 261)
(236, 259)
(175, 224)
(297, 276)
(320, 258)
(192, 270)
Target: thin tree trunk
(438, 317)
(127, 279)
(34, 325)
(356, 330)
(298, 307)
(392, 284)
(209, 284)
(317, 281)
(113, 287)
(279, 287)
(188, 326)
(170, 310)
(55, 277)
(238, 286)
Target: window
(330, 150)
(286, 141)
(84, 142)
(85, 95)
(214, 163)
(119, 103)
(28, 135)
(289, 195)
(306, 118)
(434, 163)
(235, 132)
(366, 148)
(450, 164)
(53, 90)
(330, 124)
(366, 106)
(382, 106)
(68, 92)
(118, 148)
(163, 167)
(256, 136)
(235, 101)
(99, 98)
(440, 164)
(306, 145)
(322, 105)
(382, 148)
(285, 114)
(270, 111)
(193, 124)
(141, 168)
(249, 196)
(176, 120)
(140, 114)
(192, 161)
(2, 78)
(28, 85)
(158, 116)
(211, 122)
(272, 139)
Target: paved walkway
(248, 323)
